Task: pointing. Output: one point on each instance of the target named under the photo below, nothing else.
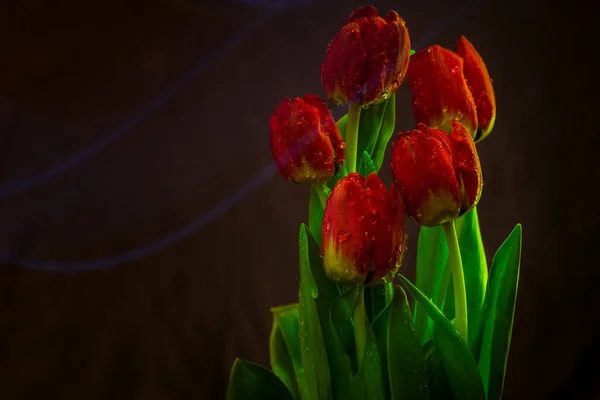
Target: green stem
(458, 278)
(360, 325)
(352, 136)
(322, 192)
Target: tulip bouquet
(353, 334)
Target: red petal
(481, 87)
(344, 72)
(423, 171)
(379, 44)
(329, 127)
(367, 60)
(346, 248)
(400, 58)
(390, 239)
(439, 89)
(302, 150)
(468, 168)
(363, 12)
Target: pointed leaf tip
(249, 381)
(499, 308)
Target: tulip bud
(363, 231)
(306, 143)
(480, 85)
(439, 90)
(446, 86)
(438, 174)
(367, 60)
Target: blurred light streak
(208, 216)
(136, 118)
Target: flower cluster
(436, 169)
(353, 335)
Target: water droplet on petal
(344, 236)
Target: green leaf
(339, 359)
(286, 359)
(457, 360)
(437, 382)
(341, 319)
(312, 343)
(341, 124)
(249, 381)
(368, 382)
(369, 128)
(474, 266)
(380, 330)
(366, 167)
(315, 215)
(375, 128)
(432, 256)
(407, 368)
(460, 366)
(499, 311)
(385, 133)
(377, 298)
(448, 300)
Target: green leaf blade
(432, 275)
(386, 132)
(499, 310)
(437, 382)
(406, 365)
(369, 128)
(474, 267)
(380, 330)
(375, 129)
(368, 382)
(285, 355)
(341, 319)
(457, 360)
(377, 298)
(312, 343)
(366, 167)
(249, 381)
(315, 215)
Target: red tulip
(363, 231)
(480, 84)
(367, 60)
(305, 141)
(439, 89)
(438, 174)
(446, 86)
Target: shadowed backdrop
(144, 235)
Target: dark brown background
(169, 324)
